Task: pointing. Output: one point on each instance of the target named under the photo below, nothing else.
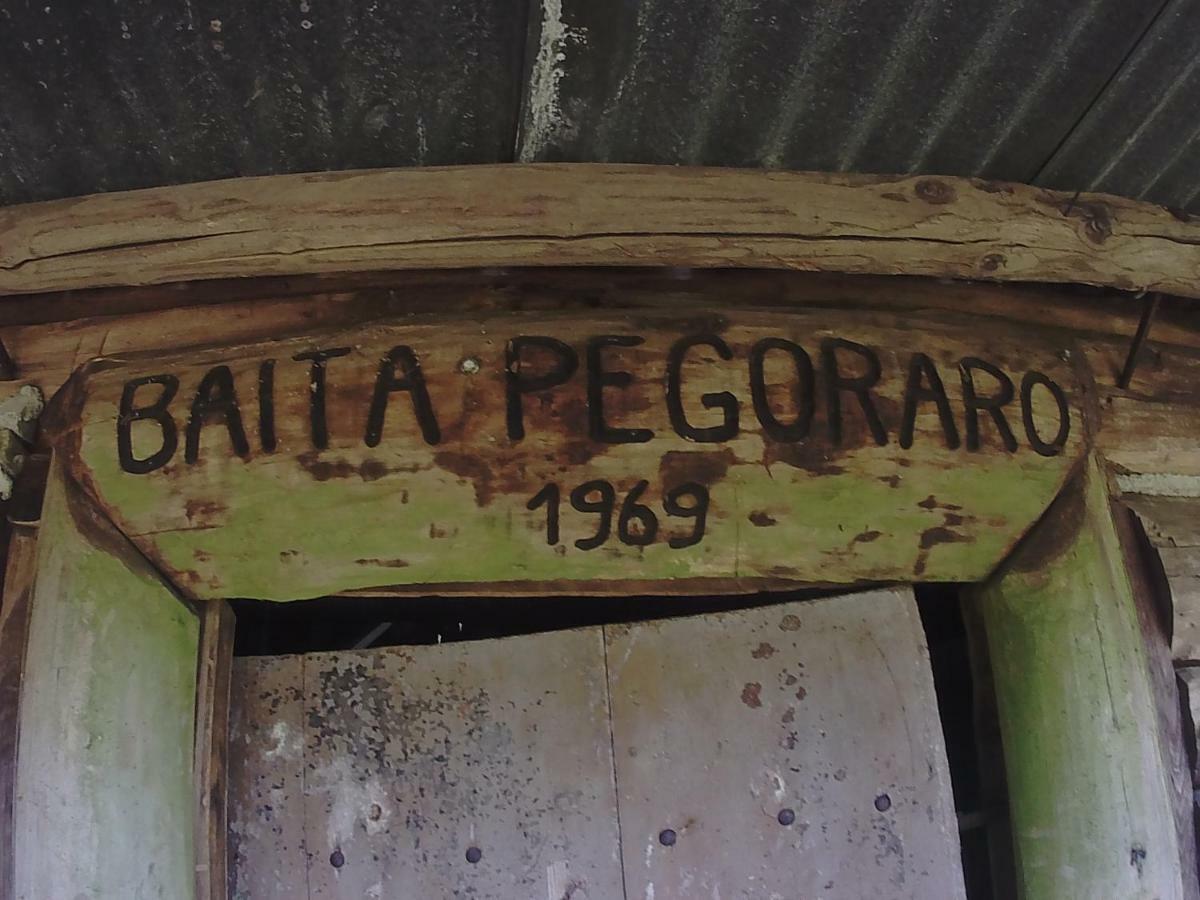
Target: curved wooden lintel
(596, 215)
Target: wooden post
(1089, 788)
(104, 792)
(19, 576)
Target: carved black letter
(156, 411)
(858, 385)
(993, 404)
(216, 396)
(266, 404)
(597, 380)
(723, 401)
(921, 369)
(802, 393)
(1055, 446)
(412, 381)
(516, 384)
(316, 391)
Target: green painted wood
(1089, 791)
(226, 506)
(104, 777)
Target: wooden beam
(1090, 788)
(86, 325)
(1152, 600)
(212, 748)
(596, 215)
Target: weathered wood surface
(1090, 785)
(1148, 431)
(267, 852)
(1172, 525)
(419, 758)
(105, 796)
(53, 335)
(822, 713)
(1150, 439)
(1152, 602)
(212, 748)
(20, 572)
(450, 483)
(596, 215)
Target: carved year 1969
(768, 443)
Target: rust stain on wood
(752, 694)
(763, 651)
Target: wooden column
(104, 800)
(1089, 783)
(19, 576)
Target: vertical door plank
(105, 795)
(462, 770)
(727, 726)
(267, 859)
(212, 745)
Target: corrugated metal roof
(116, 95)
(1141, 137)
(985, 88)
(1074, 94)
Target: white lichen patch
(544, 119)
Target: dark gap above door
(344, 623)
(966, 706)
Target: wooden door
(789, 751)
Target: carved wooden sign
(586, 452)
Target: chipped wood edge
(596, 215)
(213, 680)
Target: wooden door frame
(1142, 441)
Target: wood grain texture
(1172, 525)
(19, 575)
(595, 215)
(56, 333)
(267, 854)
(287, 523)
(1091, 789)
(213, 679)
(105, 790)
(825, 709)
(414, 756)
(1152, 601)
